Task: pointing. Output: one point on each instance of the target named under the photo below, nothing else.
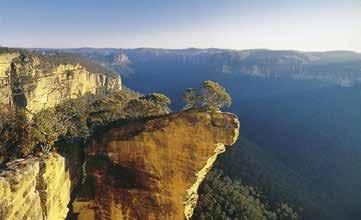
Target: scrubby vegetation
(4, 50)
(224, 198)
(210, 95)
(15, 138)
(23, 133)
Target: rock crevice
(35, 188)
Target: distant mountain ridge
(339, 67)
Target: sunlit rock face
(35, 188)
(5, 87)
(68, 81)
(151, 169)
(146, 169)
(34, 85)
(5, 63)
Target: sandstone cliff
(37, 82)
(5, 66)
(144, 169)
(35, 188)
(151, 169)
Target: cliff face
(5, 66)
(33, 84)
(35, 189)
(151, 169)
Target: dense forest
(224, 198)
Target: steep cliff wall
(35, 188)
(5, 66)
(66, 82)
(5, 63)
(146, 169)
(151, 169)
(33, 83)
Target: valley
(304, 120)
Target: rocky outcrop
(5, 63)
(35, 188)
(35, 84)
(66, 82)
(151, 169)
(143, 169)
(5, 87)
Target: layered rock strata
(35, 188)
(34, 85)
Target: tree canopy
(224, 198)
(210, 96)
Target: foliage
(15, 137)
(111, 107)
(75, 119)
(76, 112)
(150, 105)
(4, 50)
(210, 95)
(48, 125)
(159, 99)
(224, 198)
(285, 212)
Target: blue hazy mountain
(341, 67)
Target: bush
(210, 96)
(15, 134)
(150, 105)
(48, 125)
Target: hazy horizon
(186, 48)
(276, 25)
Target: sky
(308, 25)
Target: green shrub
(210, 96)
(15, 134)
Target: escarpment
(151, 169)
(5, 85)
(36, 81)
(143, 169)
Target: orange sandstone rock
(151, 169)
